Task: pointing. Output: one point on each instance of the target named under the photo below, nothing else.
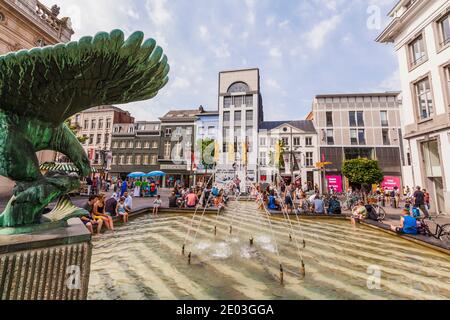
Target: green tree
(363, 171)
(207, 147)
(74, 128)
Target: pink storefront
(389, 183)
(335, 183)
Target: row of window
(356, 118)
(178, 132)
(238, 132)
(133, 145)
(358, 137)
(211, 130)
(135, 160)
(309, 159)
(296, 141)
(417, 48)
(96, 139)
(238, 101)
(94, 125)
(341, 101)
(237, 147)
(238, 116)
(136, 127)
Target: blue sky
(302, 48)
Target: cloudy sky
(303, 47)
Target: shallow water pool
(143, 260)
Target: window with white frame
(129, 160)
(108, 123)
(297, 141)
(167, 150)
(417, 51)
(93, 124)
(100, 123)
(122, 160)
(138, 145)
(384, 118)
(145, 163)
(424, 99)
(138, 160)
(147, 145)
(447, 80)
(262, 141)
(330, 137)
(86, 125)
(273, 141)
(154, 159)
(444, 30)
(114, 160)
(285, 141)
(168, 132)
(123, 145)
(155, 145)
(308, 141)
(309, 159)
(262, 159)
(130, 145)
(357, 136)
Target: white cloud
(275, 52)
(222, 51)
(158, 12)
(203, 32)
(181, 83)
(391, 83)
(272, 83)
(284, 23)
(317, 36)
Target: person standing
(419, 201)
(89, 185)
(427, 199)
(124, 188)
(94, 186)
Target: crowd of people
(102, 211)
(295, 199)
(282, 197)
(204, 196)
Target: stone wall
(50, 265)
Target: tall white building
(300, 152)
(420, 32)
(240, 114)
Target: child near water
(156, 205)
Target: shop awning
(66, 167)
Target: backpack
(416, 212)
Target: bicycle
(441, 232)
